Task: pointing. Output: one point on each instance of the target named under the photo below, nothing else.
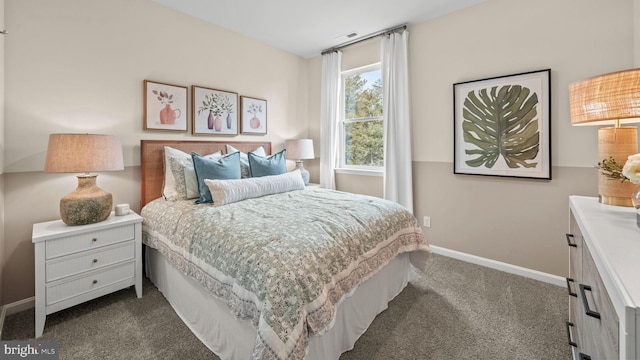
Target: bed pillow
(230, 191)
(225, 167)
(275, 164)
(244, 161)
(178, 167)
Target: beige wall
(2, 227)
(516, 221)
(78, 66)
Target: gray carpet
(456, 310)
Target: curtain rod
(367, 37)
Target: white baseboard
(21, 305)
(497, 265)
(15, 307)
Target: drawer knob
(95, 282)
(94, 239)
(95, 261)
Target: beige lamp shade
(299, 149)
(606, 99)
(84, 153)
(610, 99)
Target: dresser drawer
(601, 339)
(81, 242)
(89, 260)
(93, 281)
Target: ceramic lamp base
(88, 204)
(305, 173)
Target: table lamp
(298, 150)
(77, 153)
(610, 99)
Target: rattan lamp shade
(610, 99)
(84, 153)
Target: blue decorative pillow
(224, 168)
(275, 164)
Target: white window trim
(359, 171)
(355, 169)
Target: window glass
(362, 128)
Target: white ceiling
(306, 27)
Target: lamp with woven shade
(610, 99)
(84, 153)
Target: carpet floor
(456, 310)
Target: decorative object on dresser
(254, 115)
(603, 286)
(165, 106)
(80, 263)
(631, 171)
(214, 112)
(610, 99)
(298, 150)
(502, 126)
(86, 153)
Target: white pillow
(230, 191)
(178, 173)
(245, 172)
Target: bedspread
(284, 261)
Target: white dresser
(604, 282)
(74, 264)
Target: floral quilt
(286, 260)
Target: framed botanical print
(254, 115)
(214, 112)
(502, 126)
(165, 106)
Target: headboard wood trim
(152, 160)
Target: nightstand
(74, 264)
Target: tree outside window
(362, 127)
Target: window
(362, 144)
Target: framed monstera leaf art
(502, 126)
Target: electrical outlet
(427, 221)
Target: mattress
(283, 263)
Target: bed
(294, 274)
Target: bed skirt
(230, 338)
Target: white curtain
(329, 117)
(398, 184)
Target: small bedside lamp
(298, 150)
(77, 153)
(610, 99)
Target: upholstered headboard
(152, 160)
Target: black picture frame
(502, 126)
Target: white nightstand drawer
(91, 260)
(81, 242)
(89, 282)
